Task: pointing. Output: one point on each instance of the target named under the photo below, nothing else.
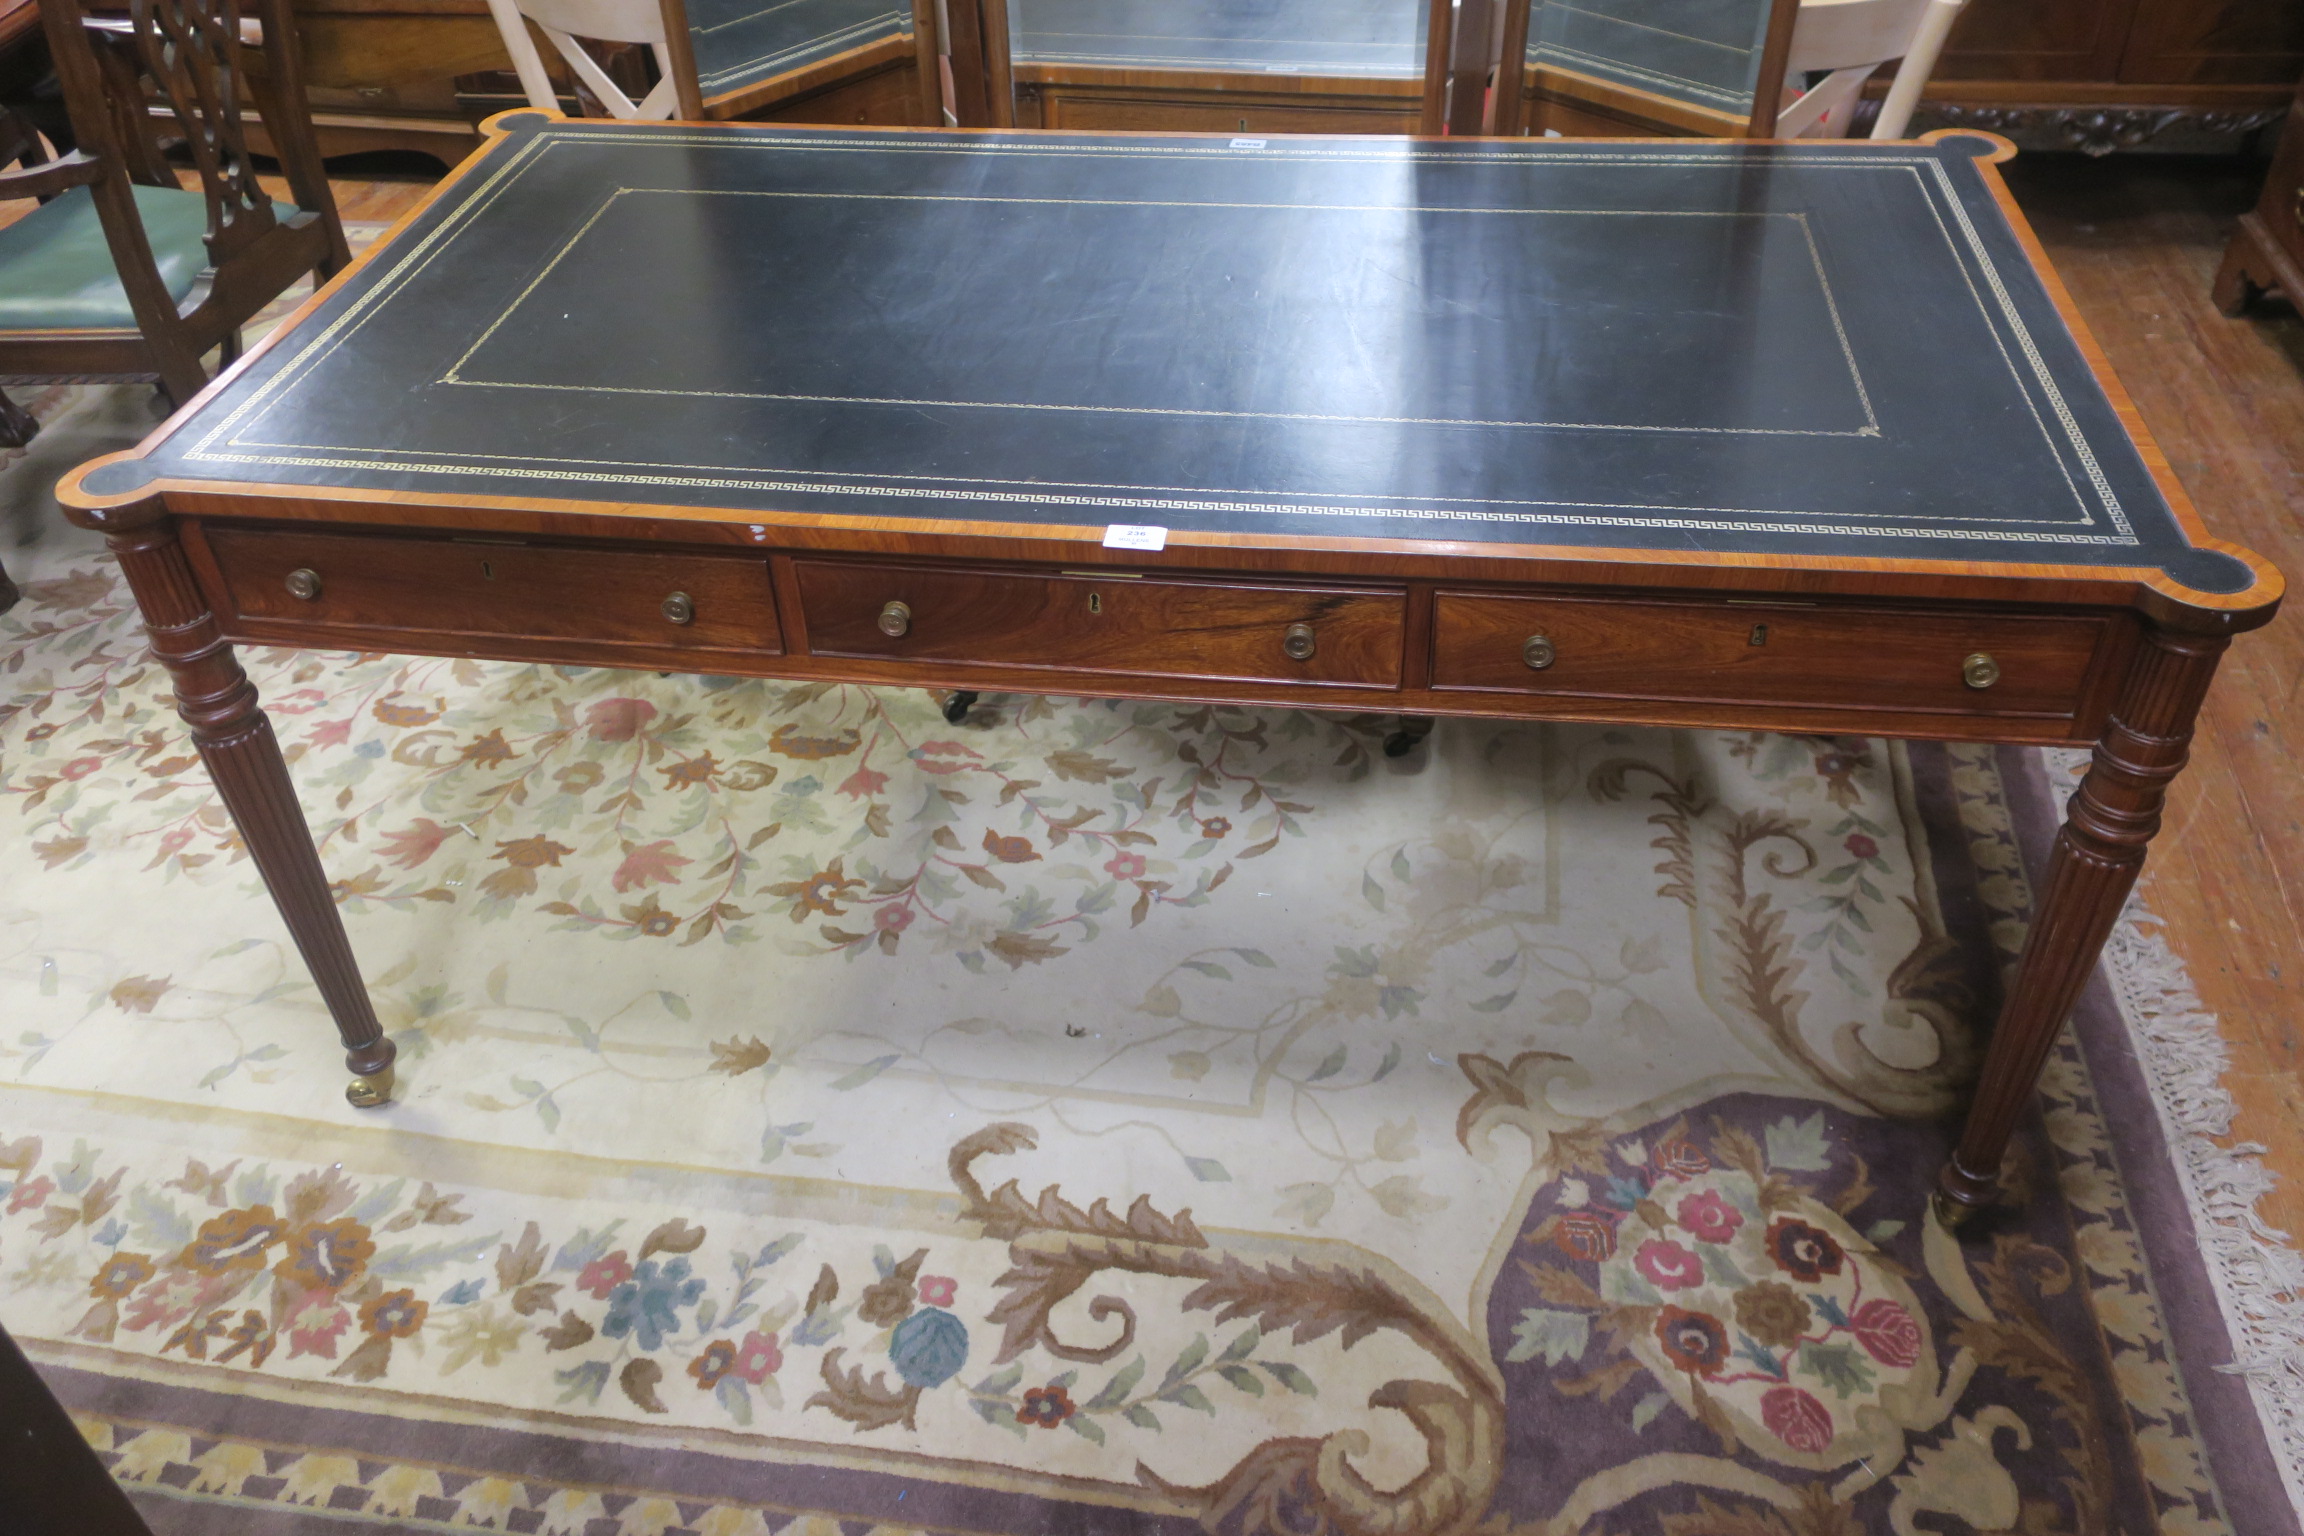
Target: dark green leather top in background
(1702, 52)
(1831, 348)
(742, 42)
(1309, 37)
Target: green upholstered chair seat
(56, 270)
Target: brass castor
(1949, 1211)
(957, 704)
(371, 1092)
(1408, 735)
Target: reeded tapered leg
(2098, 854)
(235, 740)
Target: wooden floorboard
(2138, 238)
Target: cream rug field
(1097, 1116)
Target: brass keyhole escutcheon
(487, 570)
(680, 608)
(1095, 602)
(1980, 670)
(304, 584)
(1759, 635)
(896, 620)
(1538, 652)
(1299, 642)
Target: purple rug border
(2229, 1430)
(688, 1475)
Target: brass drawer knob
(1538, 652)
(1299, 642)
(896, 620)
(304, 584)
(680, 608)
(1980, 670)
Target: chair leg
(8, 592)
(18, 426)
(228, 352)
(957, 704)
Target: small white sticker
(1248, 143)
(1135, 536)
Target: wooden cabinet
(2099, 75)
(2267, 251)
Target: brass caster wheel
(1949, 1211)
(1408, 735)
(371, 1092)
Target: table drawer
(388, 583)
(1104, 624)
(1764, 654)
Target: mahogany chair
(121, 273)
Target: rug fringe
(2257, 1272)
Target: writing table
(1802, 437)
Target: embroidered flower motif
(1861, 847)
(787, 741)
(1125, 866)
(929, 1347)
(1838, 766)
(1773, 1313)
(1693, 1341)
(1681, 1158)
(863, 784)
(690, 772)
(81, 767)
(892, 918)
(315, 1324)
(326, 1256)
(758, 1358)
(1046, 1406)
(1586, 1235)
(618, 719)
(647, 1306)
(522, 857)
(718, 1360)
(486, 752)
(1708, 1217)
(120, 1274)
(1668, 1266)
(1796, 1418)
(886, 1302)
(31, 1194)
(651, 919)
(394, 1315)
(1887, 1331)
(1804, 1252)
(176, 1295)
(822, 891)
(603, 1275)
(233, 1241)
(938, 1290)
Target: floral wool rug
(1094, 1117)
